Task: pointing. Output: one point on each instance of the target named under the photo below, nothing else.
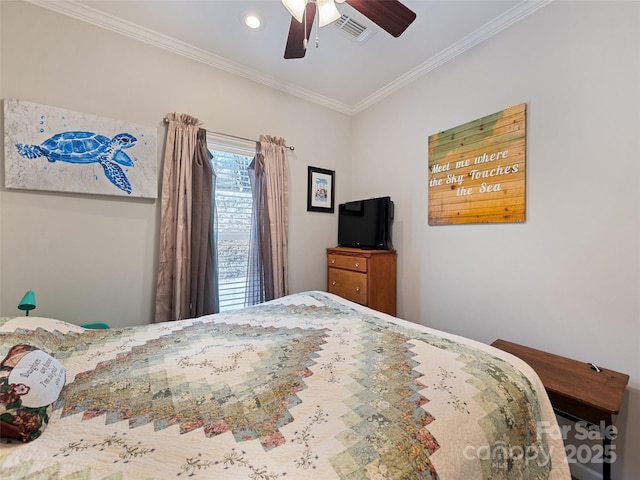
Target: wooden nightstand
(577, 390)
(367, 277)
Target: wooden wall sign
(477, 170)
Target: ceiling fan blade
(295, 47)
(390, 15)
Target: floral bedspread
(306, 387)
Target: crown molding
(109, 22)
(488, 30)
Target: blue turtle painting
(87, 147)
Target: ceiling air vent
(353, 29)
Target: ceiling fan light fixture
(327, 12)
(296, 8)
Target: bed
(309, 386)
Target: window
(233, 217)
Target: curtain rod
(166, 122)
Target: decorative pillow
(30, 381)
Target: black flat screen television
(366, 224)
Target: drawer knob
(357, 289)
(333, 283)
(333, 261)
(357, 264)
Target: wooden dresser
(367, 277)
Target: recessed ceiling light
(252, 21)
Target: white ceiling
(339, 74)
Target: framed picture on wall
(320, 190)
(59, 150)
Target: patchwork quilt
(309, 386)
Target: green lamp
(28, 302)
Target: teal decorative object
(98, 325)
(28, 302)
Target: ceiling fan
(390, 15)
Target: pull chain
(317, 24)
(305, 42)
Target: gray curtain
(268, 251)
(213, 240)
(187, 286)
(204, 275)
(259, 268)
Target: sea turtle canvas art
(47, 148)
(87, 147)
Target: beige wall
(568, 279)
(93, 258)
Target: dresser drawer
(367, 277)
(348, 284)
(348, 262)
